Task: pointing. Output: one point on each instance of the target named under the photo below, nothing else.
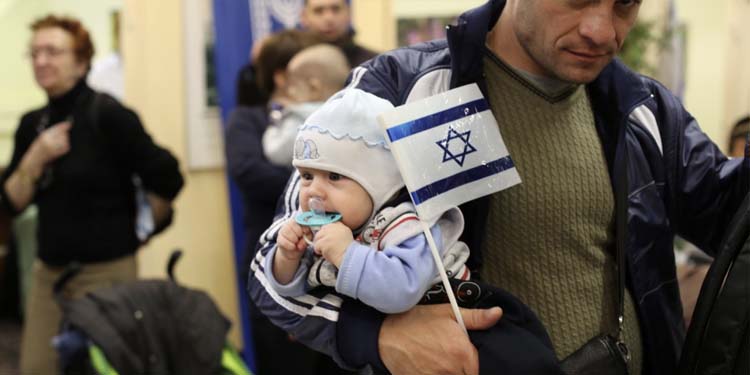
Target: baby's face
(338, 193)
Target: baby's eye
(335, 176)
(306, 175)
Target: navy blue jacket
(679, 182)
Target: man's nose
(598, 25)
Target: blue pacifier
(316, 217)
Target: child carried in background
(313, 75)
(377, 252)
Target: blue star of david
(445, 145)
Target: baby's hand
(332, 241)
(290, 241)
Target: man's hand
(332, 240)
(427, 340)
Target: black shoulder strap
(93, 111)
(94, 117)
(621, 222)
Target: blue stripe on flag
(479, 172)
(436, 119)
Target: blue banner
(237, 25)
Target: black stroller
(153, 327)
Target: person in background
(261, 96)
(313, 75)
(331, 20)
(576, 121)
(75, 158)
(738, 138)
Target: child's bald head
(317, 72)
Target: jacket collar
(466, 40)
(617, 88)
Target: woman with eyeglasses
(75, 158)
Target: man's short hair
(83, 48)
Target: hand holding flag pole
(449, 151)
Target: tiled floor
(10, 342)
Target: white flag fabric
(449, 150)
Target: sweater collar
(63, 105)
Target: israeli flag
(449, 150)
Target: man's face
(329, 18)
(56, 68)
(572, 40)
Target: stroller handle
(173, 258)
(74, 268)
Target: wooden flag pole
(443, 276)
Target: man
(572, 119)
(75, 158)
(330, 19)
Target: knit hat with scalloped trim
(344, 136)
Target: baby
(313, 75)
(377, 252)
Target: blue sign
(237, 25)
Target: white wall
(707, 58)
(736, 72)
(375, 20)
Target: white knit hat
(343, 136)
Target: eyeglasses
(52, 52)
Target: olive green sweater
(550, 240)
